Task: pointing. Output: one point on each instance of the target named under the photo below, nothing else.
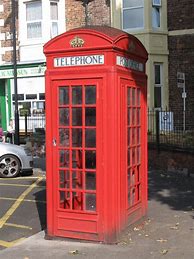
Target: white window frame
(54, 20)
(158, 85)
(156, 15)
(130, 8)
(156, 2)
(33, 21)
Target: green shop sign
(23, 72)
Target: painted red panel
(96, 133)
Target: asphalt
(166, 232)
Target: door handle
(54, 142)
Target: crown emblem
(77, 42)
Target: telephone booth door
(76, 168)
(134, 145)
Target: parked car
(14, 160)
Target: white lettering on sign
(23, 72)
(129, 63)
(79, 61)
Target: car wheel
(9, 166)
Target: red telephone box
(96, 139)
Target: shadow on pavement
(39, 163)
(175, 189)
(40, 198)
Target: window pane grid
(133, 145)
(81, 158)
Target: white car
(14, 160)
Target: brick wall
(181, 56)
(180, 14)
(98, 13)
(5, 30)
(171, 161)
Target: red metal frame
(96, 151)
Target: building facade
(181, 59)
(40, 20)
(147, 20)
(36, 23)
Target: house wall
(181, 56)
(98, 13)
(5, 31)
(155, 42)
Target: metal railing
(167, 129)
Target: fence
(32, 133)
(169, 129)
(166, 129)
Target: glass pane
(128, 116)
(133, 178)
(133, 96)
(132, 3)
(64, 137)
(54, 11)
(157, 74)
(90, 201)
(128, 96)
(138, 96)
(77, 95)
(77, 203)
(133, 196)
(33, 11)
(90, 159)
(90, 92)
(77, 180)
(90, 181)
(138, 194)
(77, 137)
(133, 116)
(133, 136)
(77, 116)
(128, 178)
(76, 159)
(138, 116)
(64, 158)
(64, 95)
(128, 136)
(138, 135)
(90, 140)
(63, 116)
(64, 200)
(138, 155)
(64, 179)
(156, 17)
(54, 29)
(133, 18)
(34, 30)
(90, 116)
(133, 156)
(138, 174)
(129, 197)
(157, 97)
(128, 157)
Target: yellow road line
(19, 185)
(17, 203)
(20, 178)
(28, 200)
(10, 244)
(17, 226)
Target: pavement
(166, 232)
